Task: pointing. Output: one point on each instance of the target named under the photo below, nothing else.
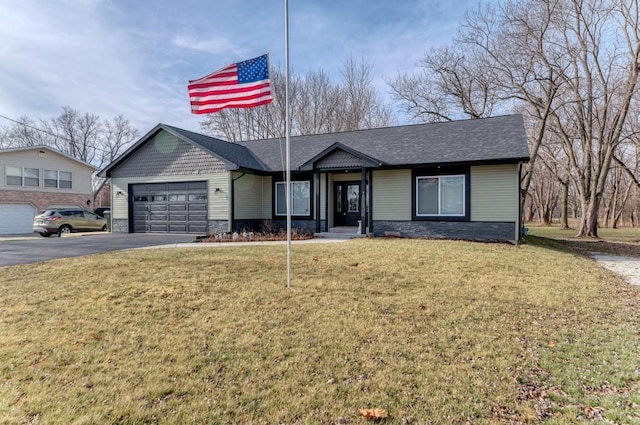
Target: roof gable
(232, 155)
(338, 156)
(50, 149)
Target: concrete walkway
(628, 267)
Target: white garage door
(16, 218)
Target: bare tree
(24, 132)
(570, 65)
(81, 136)
(117, 135)
(317, 106)
(454, 82)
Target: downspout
(233, 207)
(370, 209)
(519, 219)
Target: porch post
(370, 215)
(326, 201)
(363, 201)
(317, 182)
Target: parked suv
(69, 220)
(102, 210)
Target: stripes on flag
(244, 84)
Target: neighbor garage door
(169, 207)
(16, 218)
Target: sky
(135, 58)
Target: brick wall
(41, 200)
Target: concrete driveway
(25, 249)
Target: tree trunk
(564, 206)
(589, 222)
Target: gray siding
(166, 155)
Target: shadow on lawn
(585, 247)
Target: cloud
(116, 57)
(215, 45)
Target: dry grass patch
(432, 331)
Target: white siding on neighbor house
(392, 195)
(494, 193)
(44, 159)
(218, 202)
(249, 196)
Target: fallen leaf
(374, 413)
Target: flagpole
(286, 103)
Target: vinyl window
(300, 198)
(57, 179)
(22, 176)
(440, 196)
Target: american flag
(240, 85)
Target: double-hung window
(300, 198)
(57, 179)
(22, 176)
(440, 196)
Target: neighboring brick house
(36, 177)
(458, 180)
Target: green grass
(432, 331)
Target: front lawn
(431, 331)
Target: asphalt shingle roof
(231, 152)
(489, 139)
(481, 140)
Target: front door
(346, 204)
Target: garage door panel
(178, 207)
(158, 207)
(16, 218)
(178, 228)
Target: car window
(90, 215)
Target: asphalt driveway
(33, 249)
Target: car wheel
(104, 228)
(45, 234)
(64, 230)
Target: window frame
(439, 173)
(280, 215)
